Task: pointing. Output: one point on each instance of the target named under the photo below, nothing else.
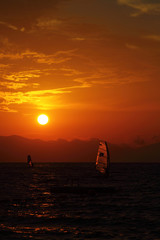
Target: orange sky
(91, 65)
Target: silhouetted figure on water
(29, 161)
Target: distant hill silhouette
(16, 149)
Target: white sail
(103, 159)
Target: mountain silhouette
(16, 149)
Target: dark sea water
(128, 209)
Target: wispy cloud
(13, 85)
(22, 76)
(40, 99)
(78, 39)
(17, 88)
(11, 56)
(48, 24)
(56, 58)
(9, 25)
(19, 80)
(6, 109)
(109, 77)
(153, 37)
(142, 6)
(131, 46)
(12, 27)
(17, 85)
(2, 66)
(26, 12)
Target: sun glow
(42, 119)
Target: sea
(38, 203)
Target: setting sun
(42, 119)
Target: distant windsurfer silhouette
(29, 161)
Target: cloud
(6, 109)
(48, 92)
(12, 27)
(142, 6)
(108, 77)
(12, 85)
(48, 24)
(18, 90)
(17, 85)
(41, 99)
(131, 46)
(19, 80)
(23, 13)
(153, 37)
(36, 98)
(9, 25)
(78, 39)
(11, 56)
(56, 58)
(51, 60)
(3, 66)
(22, 76)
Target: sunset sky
(93, 66)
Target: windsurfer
(29, 161)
